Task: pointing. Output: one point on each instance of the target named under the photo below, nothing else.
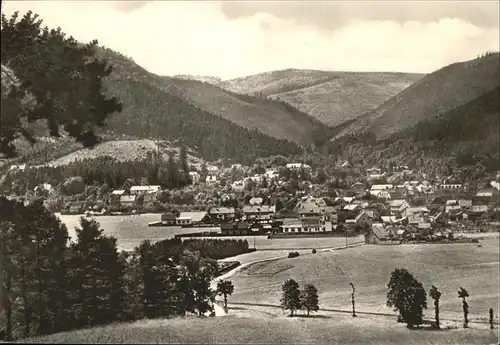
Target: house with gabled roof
(377, 234)
(397, 206)
(360, 219)
(259, 212)
(218, 214)
(192, 218)
(128, 201)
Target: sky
(230, 39)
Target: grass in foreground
(280, 330)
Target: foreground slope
(436, 93)
(235, 329)
(331, 97)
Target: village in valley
(387, 206)
(305, 184)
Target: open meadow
(234, 329)
(131, 230)
(368, 267)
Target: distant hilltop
(207, 79)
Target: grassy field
(278, 330)
(368, 267)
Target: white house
(272, 174)
(18, 167)
(398, 205)
(479, 208)
(495, 185)
(195, 177)
(297, 166)
(138, 190)
(127, 200)
(210, 179)
(238, 186)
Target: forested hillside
(435, 94)
(276, 119)
(465, 139)
(153, 108)
(151, 112)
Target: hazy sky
(231, 39)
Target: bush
(293, 254)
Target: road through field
(219, 311)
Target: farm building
(192, 218)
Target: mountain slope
(270, 117)
(331, 97)
(347, 96)
(465, 139)
(150, 110)
(434, 94)
(272, 83)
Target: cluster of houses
(129, 195)
(271, 174)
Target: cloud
(335, 14)
(206, 38)
(129, 6)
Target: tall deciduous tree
(225, 288)
(407, 296)
(290, 297)
(62, 78)
(309, 298)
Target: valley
(296, 205)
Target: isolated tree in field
(225, 288)
(407, 296)
(55, 79)
(352, 299)
(290, 297)
(435, 295)
(309, 298)
(463, 294)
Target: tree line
(170, 174)
(50, 284)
